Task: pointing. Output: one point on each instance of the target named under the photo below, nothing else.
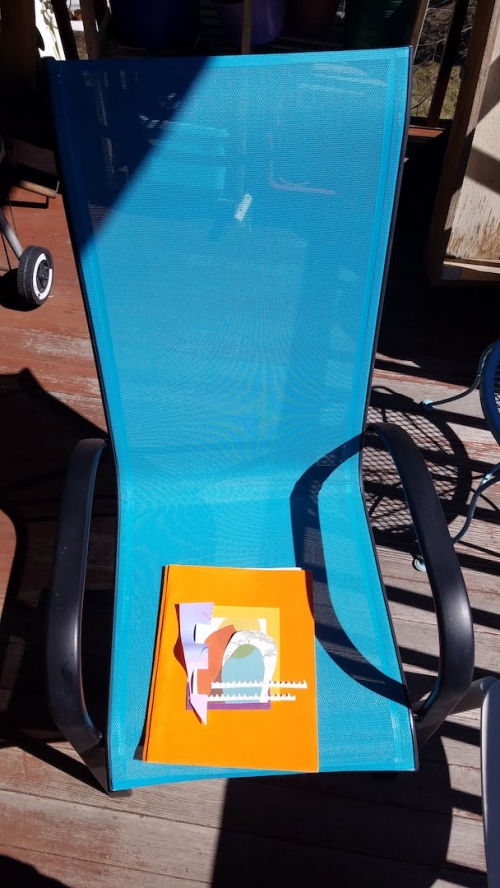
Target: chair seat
(364, 722)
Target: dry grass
(424, 80)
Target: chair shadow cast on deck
(453, 472)
(343, 830)
(13, 872)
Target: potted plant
(370, 24)
(310, 17)
(155, 24)
(267, 20)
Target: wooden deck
(415, 831)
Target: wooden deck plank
(293, 846)
(345, 870)
(435, 788)
(26, 867)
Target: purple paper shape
(228, 707)
(195, 655)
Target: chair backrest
(231, 218)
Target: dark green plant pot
(309, 17)
(371, 24)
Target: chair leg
(474, 697)
(10, 236)
(490, 779)
(484, 694)
(490, 478)
(429, 405)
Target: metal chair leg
(490, 478)
(10, 235)
(429, 405)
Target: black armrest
(454, 618)
(63, 656)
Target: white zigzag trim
(251, 698)
(299, 685)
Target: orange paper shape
(256, 610)
(216, 643)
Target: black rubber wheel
(35, 275)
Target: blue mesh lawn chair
(231, 219)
